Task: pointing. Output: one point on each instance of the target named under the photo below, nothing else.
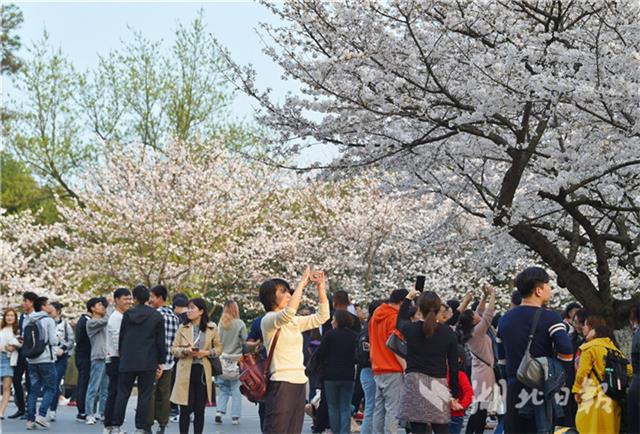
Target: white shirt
(113, 334)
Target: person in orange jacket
(387, 367)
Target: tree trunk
(576, 281)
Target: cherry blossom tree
(31, 258)
(206, 221)
(524, 114)
(163, 217)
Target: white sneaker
(30, 425)
(235, 421)
(117, 430)
(91, 420)
(42, 421)
(51, 416)
(107, 430)
(175, 419)
(99, 417)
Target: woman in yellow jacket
(597, 413)
(195, 342)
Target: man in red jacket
(387, 367)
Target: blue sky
(84, 29)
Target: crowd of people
(411, 362)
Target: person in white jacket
(9, 345)
(42, 371)
(66, 341)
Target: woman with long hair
(195, 342)
(285, 398)
(473, 327)
(233, 334)
(432, 348)
(9, 345)
(597, 412)
(337, 355)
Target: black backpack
(35, 342)
(615, 381)
(362, 347)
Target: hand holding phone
(420, 279)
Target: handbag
(496, 370)
(230, 368)
(216, 366)
(254, 373)
(530, 370)
(397, 345)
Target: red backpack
(254, 373)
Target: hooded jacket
(141, 342)
(49, 327)
(381, 325)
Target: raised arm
(403, 313)
(487, 313)
(275, 320)
(316, 320)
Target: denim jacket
(554, 379)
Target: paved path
(66, 424)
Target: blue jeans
(98, 383)
(229, 389)
(338, 394)
(61, 368)
(500, 426)
(369, 388)
(455, 424)
(43, 378)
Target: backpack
(363, 356)
(615, 382)
(35, 340)
(254, 373)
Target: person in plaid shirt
(160, 406)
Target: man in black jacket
(142, 353)
(83, 363)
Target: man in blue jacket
(550, 339)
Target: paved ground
(66, 424)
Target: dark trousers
(476, 422)
(196, 403)
(284, 408)
(84, 371)
(358, 392)
(20, 370)
(145, 387)
(513, 422)
(425, 428)
(261, 415)
(160, 405)
(61, 368)
(112, 390)
(175, 408)
(633, 403)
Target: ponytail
(429, 304)
(430, 323)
